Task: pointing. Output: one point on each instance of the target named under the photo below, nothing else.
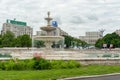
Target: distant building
(117, 32)
(91, 37)
(57, 32)
(17, 27)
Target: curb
(92, 76)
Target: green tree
(116, 42)
(7, 39)
(17, 42)
(68, 41)
(109, 39)
(38, 43)
(24, 40)
(72, 41)
(83, 44)
(0, 40)
(99, 43)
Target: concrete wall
(78, 55)
(100, 61)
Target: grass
(58, 73)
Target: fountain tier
(48, 39)
(47, 29)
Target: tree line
(72, 42)
(9, 40)
(109, 39)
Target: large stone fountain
(48, 39)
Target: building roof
(16, 22)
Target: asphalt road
(109, 77)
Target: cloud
(74, 16)
(58, 19)
(92, 17)
(77, 20)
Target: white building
(91, 37)
(117, 32)
(17, 27)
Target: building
(17, 27)
(91, 37)
(117, 32)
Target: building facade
(118, 32)
(91, 37)
(17, 27)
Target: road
(107, 77)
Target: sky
(73, 16)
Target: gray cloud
(77, 20)
(92, 17)
(74, 16)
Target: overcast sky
(73, 16)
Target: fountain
(48, 39)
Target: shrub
(73, 64)
(41, 64)
(37, 64)
(6, 65)
(56, 64)
(9, 65)
(21, 65)
(2, 66)
(29, 64)
(107, 55)
(64, 64)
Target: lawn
(58, 73)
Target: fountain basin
(49, 40)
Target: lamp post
(32, 41)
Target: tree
(24, 40)
(39, 43)
(99, 43)
(116, 42)
(0, 40)
(109, 39)
(7, 39)
(83, 44)
(68, 41)
(17, 42)
(71, 41)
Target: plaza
(84, 56)
(75, 38)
